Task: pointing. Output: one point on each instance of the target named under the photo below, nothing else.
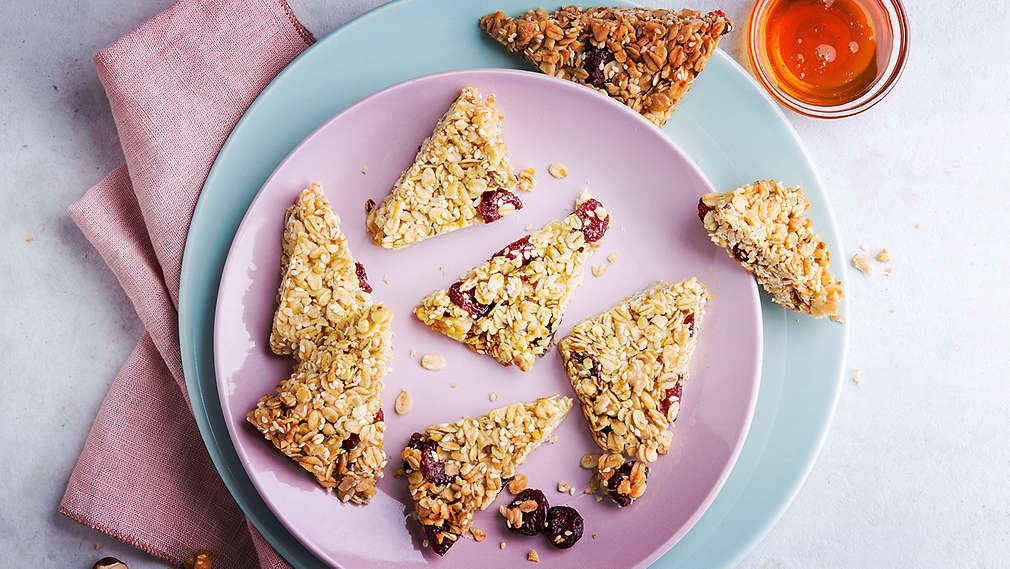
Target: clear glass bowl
(894, 13)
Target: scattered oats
(862, 262)
(478, 534)
(598, 270)
(501, 545)
(492, 396)
(364, 170)
(857, 376)
(452, 385)
(563, 487)
(518, 483)
(613, 257)
(98, 547)
(589, 461)
(594, 536)
(433, 362)
(29, 240)
(838, 318)
(883, 256)
(369, 205)
(558, 170)
(571, 491)
(403, 403)
(532, 556)
(413, 354)
(526, 180)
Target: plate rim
(578, 90)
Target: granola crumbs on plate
(532, 556)
(563, 487)
(838, 318)
(862, 262)
(403, 403)
(29, 240)
(518, 483)
(492, 396)
(413, 354)
(598, 270)
(883, 256)
(433, 362)
(558, 170)
(478, 534)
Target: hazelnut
(110, 563)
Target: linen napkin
(177, 85)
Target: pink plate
(651, 189)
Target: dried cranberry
(729, 24)
(416, 441)
(520, 248)
(359, 270)
(592, 227)
(702, 209)
(622, 473)
(689, 320)
(593, 61)
(431, 467)
(564, 526)
(380, 416)
(440, 539)
(672, 394)
(492, 200)
(350, 442)
(533, 522)
(466, 300)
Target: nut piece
(433, 362)
(403, 403)
(202, 559)
(563, 487)
(883, 256)
(558, 170)
(478, 534)
(518, 484)
(532, 556)
(110, 563)
(862, 262)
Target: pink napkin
(177, 85)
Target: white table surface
(915, 471)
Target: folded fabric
(177, 85)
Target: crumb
(452, 385)
(526, 180)
(862, 262)
(612, 258)
(364, 170)
(887, 272)
(883, 256)
(532, 556)
(98, 547)
(857, 376)
(571, 491)
(598, 270)
(369, 205)
(563, 487)
(838, 318)
(385, 279)
(862, 247)
(443, 270)
(518, 483)
(589, 461)
(478, 534)
(433, 362)
(492, 396)
(403, 403)
(558, 170)
(413, 354)
(501, 545)
(598, 498)
(29, 240)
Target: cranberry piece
(564, 526)
(702, 209)
(359, 270)
(440, 539)
(533, 522)
(431, 467)
(380, 416)
(467, 301)
(492, 200)
(416, 441)
(593, 61)
(520, 248)
(689, 320)
(592, 227)
(350, 442)
(672, 394)
(729, 24)
(622, 473)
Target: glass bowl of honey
(828, 58)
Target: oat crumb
(528, 227)
(526, 180)
(492, 396)
(403, 403)
(452, 385)
(563, 487)
(598, 270)
(862, 262)
(98, 547)
(838, 318)
(29, 240)
(532, 556)
(589, 461)
(518, 483)
(558, 170)
(385, 279)
(883, 256)
(478, 534)
(594, 536)
(571, 491)
(433, 362)
(413, 354)
(613, 257)
(857, 376)
(364, 170)
(501, 545)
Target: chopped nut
(883, 256)
(518, 483)
(403, 403)
(364, 171)
(862, 262)
(598, 270)
(110, 563)
(501, 545)
(492, 396)
(563, 487)
(558, 170)
(857, 376)
(478, 534)
(613, 257)
(433, 362)
(202, 559)
(532, 556)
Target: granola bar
(327, 416)
(461, 175)
(321, 284)
(762, 226)
(457, 468)
(629, 364)
(644, 58)
(510, 306)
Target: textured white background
(915, 471)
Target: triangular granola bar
(510, 306)
(461, 175)
(644, 58)
(457, 468)
(763, 227)
(629, 364)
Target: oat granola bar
(762, 226)
(460, 176)
(629, 364)
(510, 306)
(644, 58)
(320, 281)
(457, 468)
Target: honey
(824, 52)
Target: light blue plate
(727, 124)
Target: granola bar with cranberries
(455, 469)
(644, 58)
(510, 306)
(763, 226)
(461, 175)
(628, 366)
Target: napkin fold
(176, 85)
